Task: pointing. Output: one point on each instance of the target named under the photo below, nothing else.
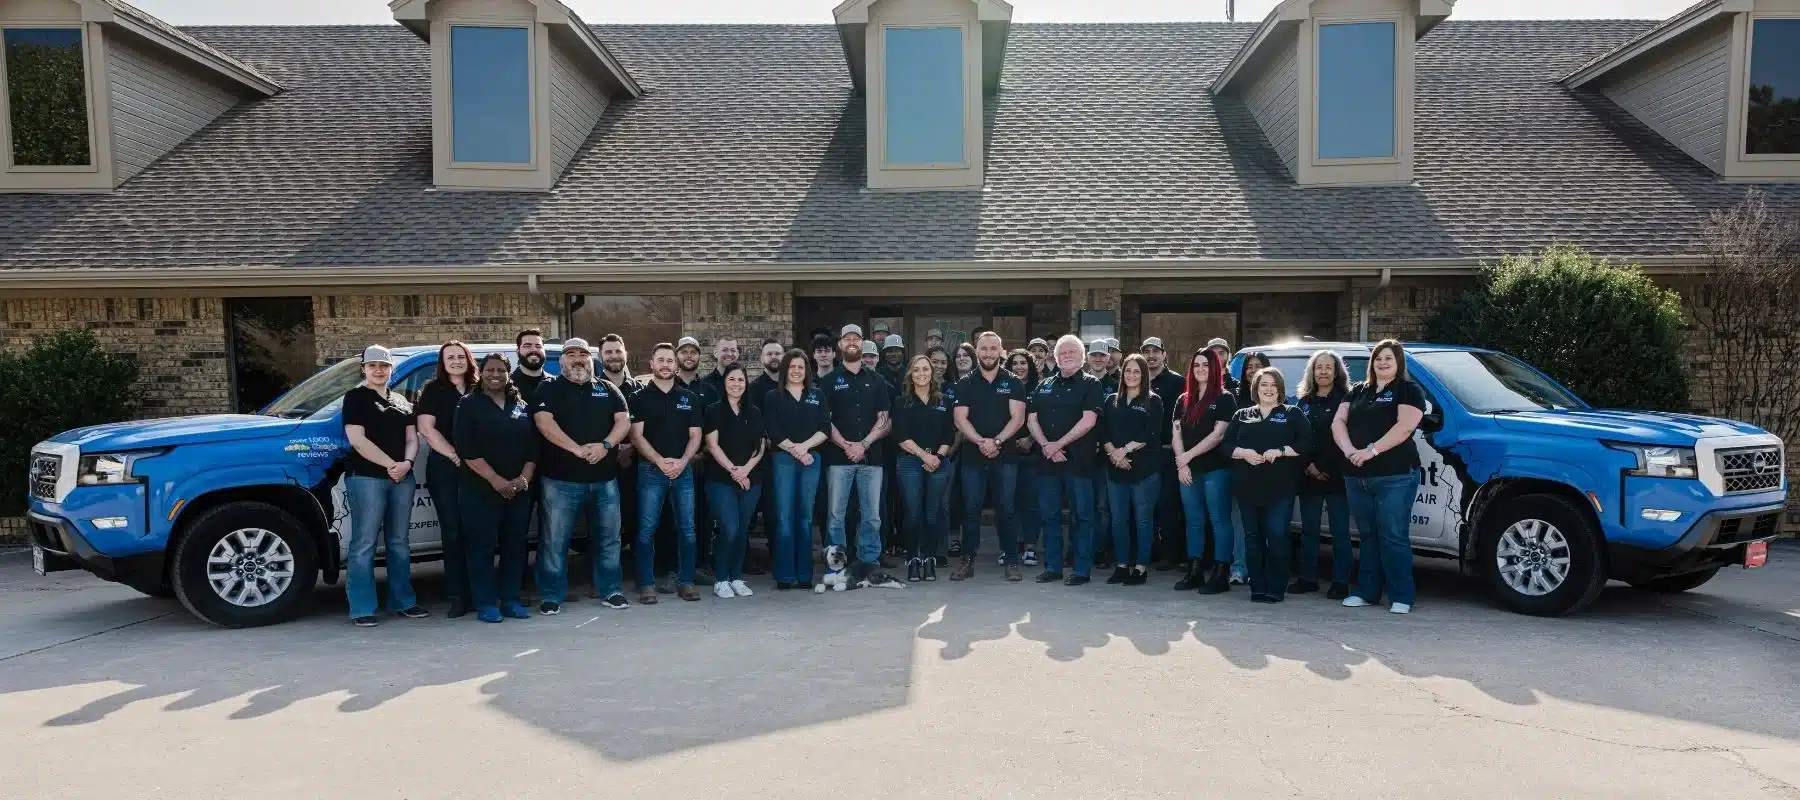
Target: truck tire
(1678, 583)
(245, 564)
(1542, 555)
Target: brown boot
(1014, 572)
(964, 570)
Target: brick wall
(1399, 311)
(179, 343)
(1285, 316)
(1098, 299)
(344, 324)
(748, 317)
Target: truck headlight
(111, 469)
(1661, 462)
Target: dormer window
(490, 95)
(1358, 82)
(49, 121)
(923, 125)
(1772, 101)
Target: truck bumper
(66, 549)
(1716, 539)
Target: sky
(344, 12)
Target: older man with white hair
(1064, 410)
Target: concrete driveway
(984, 689)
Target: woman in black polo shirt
(499, 447)
(1133, 444)
(925, 431)
(1268, 443)
(378, 490)
(1025, 496)
(1322, 390)
(1374, 429)
(1202, 466)
(454, 380)
(797, 421)
(734, 439)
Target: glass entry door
(956, 328)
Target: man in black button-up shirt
(858, 400)
(665, 427)
(1064, 409)
(990, 410)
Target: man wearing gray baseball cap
(1223, 349)
(858, 401)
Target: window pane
(1774, 117)
(641, 320)
(490, 95)
(1356, 90)
(46, 90)
(924, 84)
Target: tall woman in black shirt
(1133, 444)
(1025, 495)
(1322, 390)
(1268, 443)
(454, 380)
(498, 443)
(797, 421)
(734, 439)
(925, 431)
(1374, 429)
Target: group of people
(1190, 466)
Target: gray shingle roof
(748, 147)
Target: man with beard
(1168, 385)
(687, 362)
(1222, 349)
(1040, 353)
(582, 420)
(990, 411)
(665, 426)
(769, 380)
(615, 368)
(858, 401)
(529, 347)
(893, 361)
(1064, 409)
(934, 338)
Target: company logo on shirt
(842, 384)
(599, 391)
(682, 404)
(1385, 397)
(812, 397)
(518, 411)
(1048, 387)
(1279, 416)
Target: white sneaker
(1355, 602)
(741, 588)
(1400, 608)
(723, 590)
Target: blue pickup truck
(1548, 498)
(238, 515)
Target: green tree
(62, 381)
(47, 93)
(1605, 331)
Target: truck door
(1439, 501)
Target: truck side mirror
(1432, 422)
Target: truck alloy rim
(1533, 557)
(250, 567)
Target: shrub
(63, 381)
(1605, 331)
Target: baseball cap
(686, 341)
(880, 327)
(376, 354)
(1154, 341)
(577, 343)
(849, 329)
(937, 332)
(1039, 342)
(868, 347)
(894, 343)
(1218, 343)
(1097, 346)
(1112, 344)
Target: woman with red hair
(1203, 469)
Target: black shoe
(1262, 598)
(928, 569)
(783, 586)
(1102, 562)
(616, 601)
(549, 609)
(1076, 580)
(457, 611)
(415, 613)
(1303, 586)
(365, 622)
(941, 561)
(915, 570)
(1192, 580)
(1218, 581)
(1137, 577)
(1338, 591)
(1119, 575)
(1049, 576)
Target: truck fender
(1512, 472)
(240, 477)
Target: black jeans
(444, 483)
(491, 521)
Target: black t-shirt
(709, 389)
(1169, 385)
(528, 384)
(1326, 457)
(990, 407)
(505, 438)
(439, 401)
(1220, 411)
(791, 420)
(667, 417)
(1374, 413)
(384, 421)
(928, 425)
(1137, 421)
(739, 436)
(585, 413)
(856, 401)
(760, 388)
(1059, 404)
(1264, 484)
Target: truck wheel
(245, 564)
(1542, 555)
(1678, 583)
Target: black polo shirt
(384, 421)
(1137, 421)
(585, 412)
(708, 389)
(795, 420)
(856, 400)
(1284, 426)
(1326, 457)
(1372, 414)
(928, 425)
(1220, 411)
(760, 388)
(439, 400)
(1169, 385)
(990, 407)
(1059, 403)
(528, 384)
(667, 417)
(740, 434)
(505, 438)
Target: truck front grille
(1750, 469)
(45, 469)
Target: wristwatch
(606, 445)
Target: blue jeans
(1383, 511)
(795, 486)
(563, 502)
(1337, 509)
(922, 497)
(1051, 488)
(978, 477)
(1208, 498)
(732, 508)
(489, 521)
(866, 479)
(1025, 501)
(1134, 508)
(1103, 510)
(378, 505)
(443, 481)
(653, 487)
(1269, 548)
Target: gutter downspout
(1362, 321)
(531, 287)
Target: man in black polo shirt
(858, 401)
(582, 419)
(529, 347)
(1064, 410)
(990, 411)
(665, 427)
(1168, 384)
(768, 381)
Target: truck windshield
(318, 393)
(1488, 383)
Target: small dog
(841, 576)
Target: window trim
(1398, 19)
(532, 65)
(1741, 147)
(93, 121)
(879, 121)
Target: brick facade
(748, 317)
(344, 324)
(179, 343)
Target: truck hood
(1619, 425)
(142, 434)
